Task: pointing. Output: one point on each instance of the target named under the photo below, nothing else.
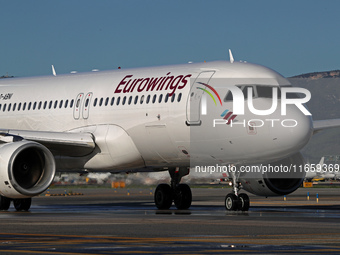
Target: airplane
(166, 118)
(316, 170)
(321, 171)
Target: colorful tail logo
(229, 116)
(213, 90)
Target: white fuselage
(144, 131)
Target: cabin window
(173, 97)
(112, 101)
(77, 104)
(148, 99)
(118, 100)
(136, 99)
(107, 101)
(179, 97)
(160, 98)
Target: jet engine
(26, 169)
(275, 179)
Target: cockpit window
(259, 91)
(266, 92)
(244, 88)
(228, 97)
(245, 91)
(292, 95)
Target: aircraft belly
(160, 144)
(114, 150)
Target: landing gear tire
(5, 202)
(182, 196)
(231, 202)
(22, 204)
(163, 196)
(237, 203)
(244, 202)
(179, 193)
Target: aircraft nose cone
(295, 131)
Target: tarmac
(125, 221)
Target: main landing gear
(235, 201)
(180, 194)
(21, 204)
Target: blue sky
(291, 37)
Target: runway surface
(125, 221)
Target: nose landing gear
(235, 201)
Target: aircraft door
(194, 98)
(77, 106)
(87, 103)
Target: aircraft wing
(60, 143)
(325, 124)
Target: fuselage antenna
(53, 71)
(231, 57)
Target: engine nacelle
(26, 169)
(284, 177)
